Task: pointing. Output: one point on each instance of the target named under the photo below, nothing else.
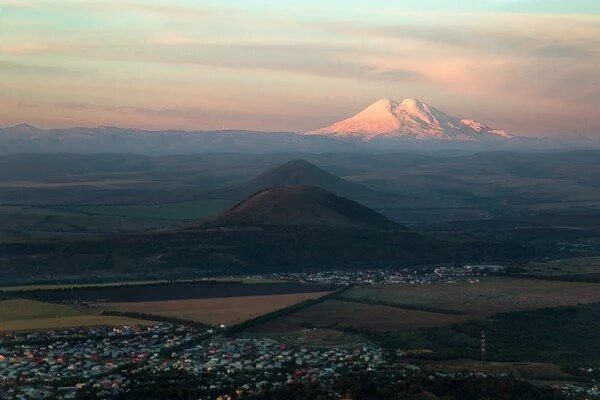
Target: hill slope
(301, 172)
(301, 206)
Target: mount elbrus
(410, 118)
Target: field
(20, 314)
(580, 269)
(171, 291)
(20, 222)
(492, 295)
(176, 211)
(567, 336)
(343, 315)
(23, 222)
(212, 303)
(432, 316)
(215, 311)
(17, 288)
(524, 370)
(319, 337)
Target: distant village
(441, 274)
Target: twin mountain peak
(410, 119)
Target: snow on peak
(483, 128)
(411, 118)
(412, 102)
(385, 101)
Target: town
(102, 363)
(105, 361)
(438, 274)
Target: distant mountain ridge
(412, 119)
(384, 126)
(26, 138)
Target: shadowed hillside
(302, 172)
(301, 205)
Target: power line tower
(483, 347)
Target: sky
(531, 67)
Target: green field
(24, 221)
(8, 289)
(26, 315)
(245, 280)
(337, 314)
(567, 336)
(179, 211)
(584, 269)
(524, 370)
(447, 318)
(490, 296)
(20, 309)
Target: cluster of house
(260, 358)
(576, 391)
(110, 361)
(379, 276)
(59, 364)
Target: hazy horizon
(528, 67)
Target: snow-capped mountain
(411, 119)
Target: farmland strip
(401, 306)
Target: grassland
(316, 337)
(404, 316)
(25, 315)
(524, 370)
(19, 222)
(567, 336)
(245, 280)
(26, 222)
(214, 311)
(176, 211)
(20, 309)
(491, 295)
(83, 320)
(348, 315)
(582, 269)
(8, 289)
(179, 290)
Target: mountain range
(25, 138)
(386, 125)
